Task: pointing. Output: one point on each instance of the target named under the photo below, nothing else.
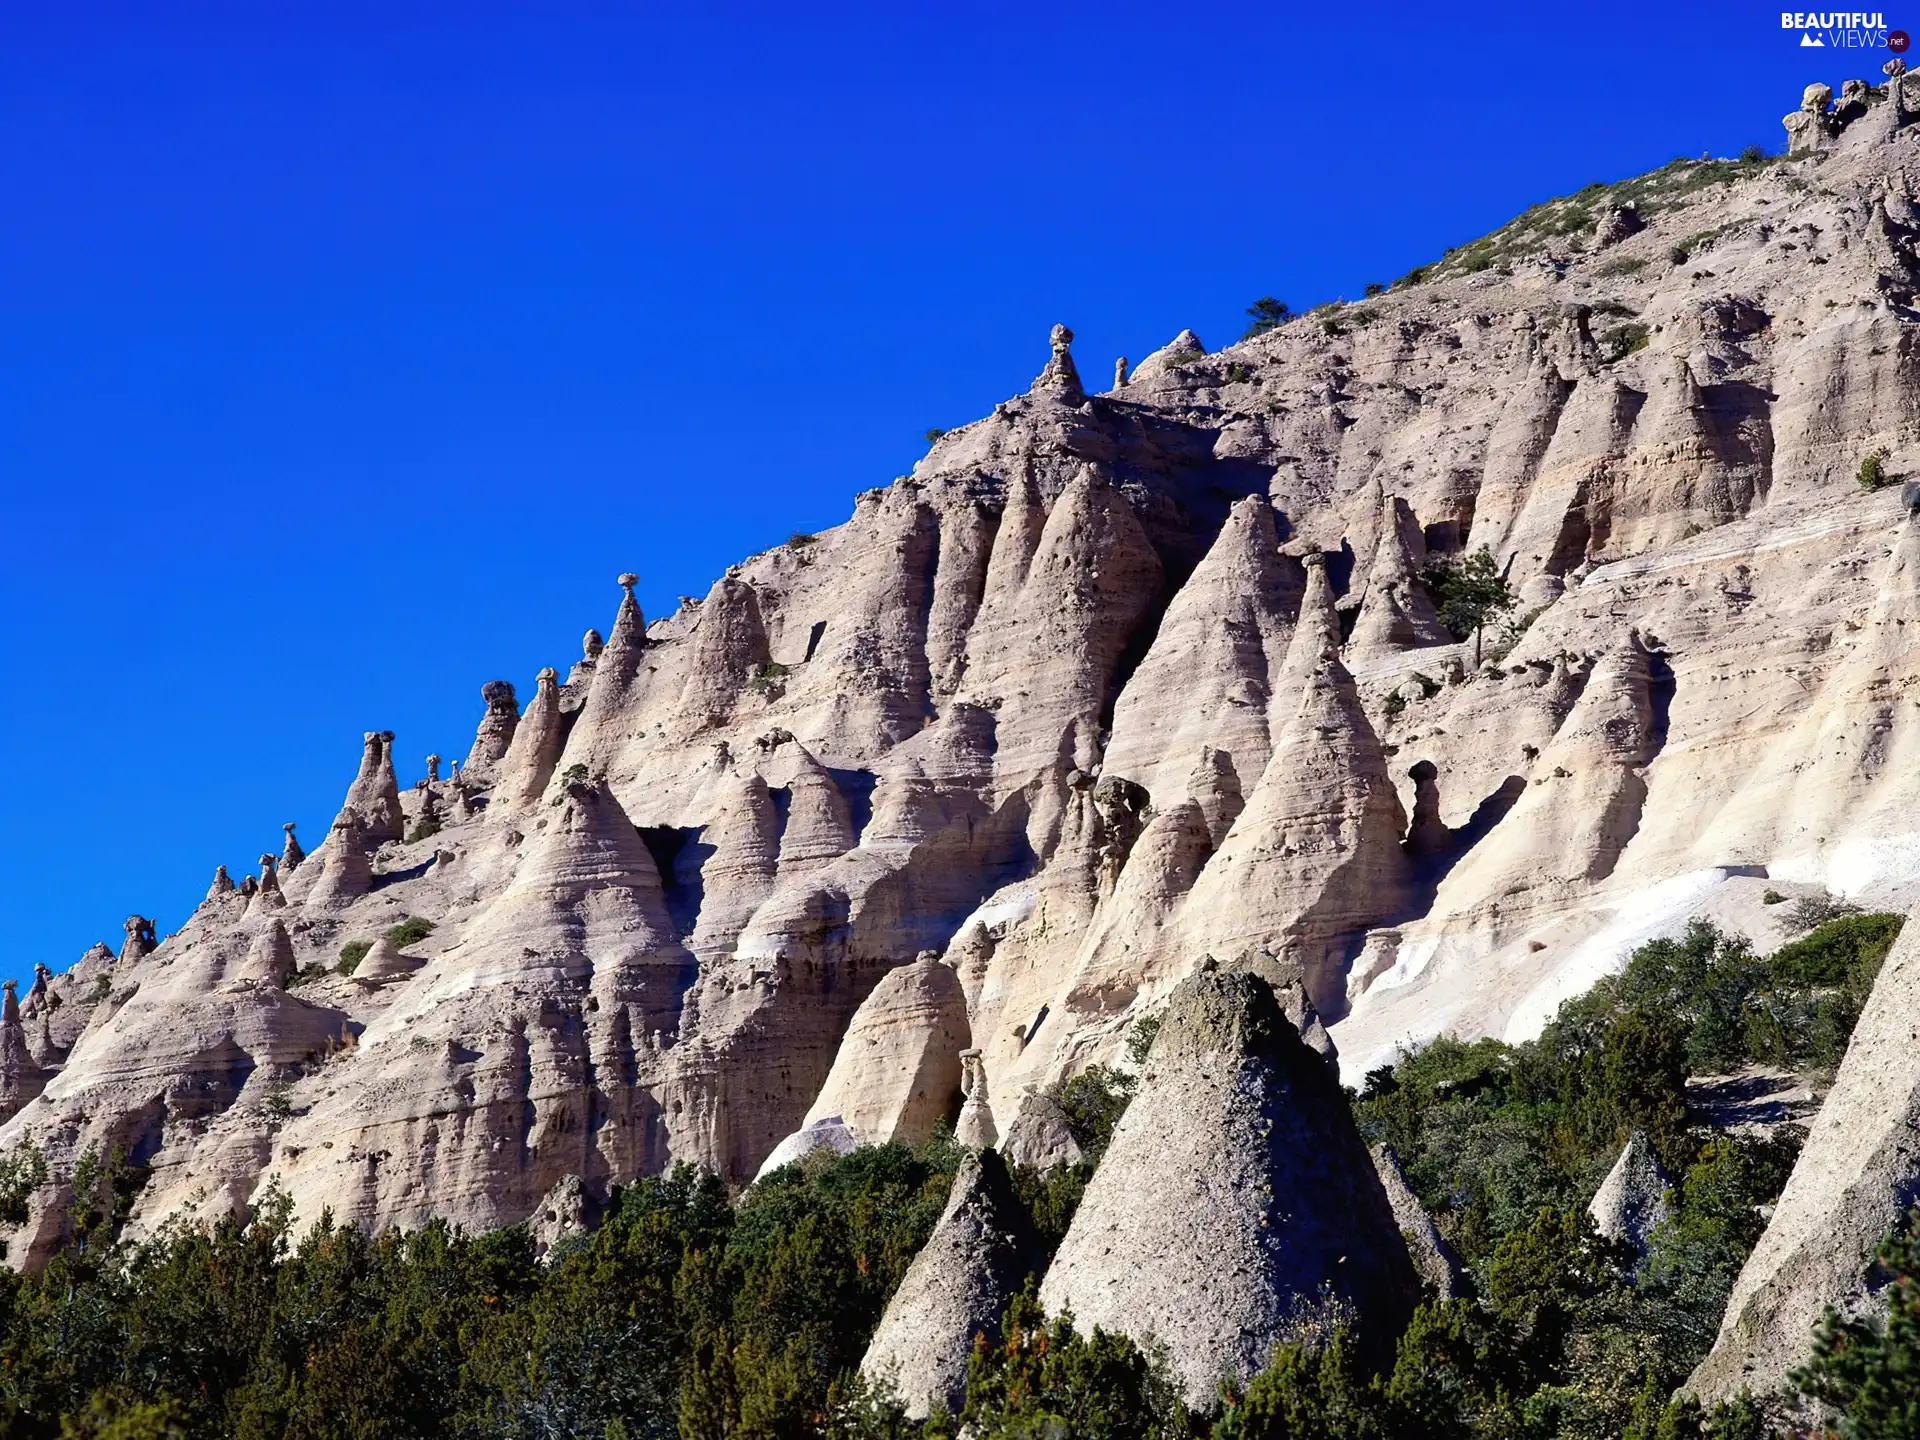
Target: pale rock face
(1235, 1209)
(1207, 682)
(495, 735)
(957, 1288)
(1102, 688)
(1631, 1202)
(897, 1074)
(1396, 613)
(1314, 859)
(534, 751)
(374, 796)
(270, 959)
(1849, 1189)
(21, 1076)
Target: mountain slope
(1073, 705)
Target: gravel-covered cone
(1631, 1202)
(1236, 1208)
(958, 1287)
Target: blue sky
(348, 352)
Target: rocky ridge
(1109, 684)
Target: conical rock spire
(1280, 1231)
(1631, 1202)
(21, 1078)
(1206, 681)
(374, 796)
(534, 750)
(495, 733)
(957, 1288)
(1315, 856)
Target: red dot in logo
(1897, 41)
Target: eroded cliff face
(1109, 684)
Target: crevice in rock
(679, 855)
(856, 788)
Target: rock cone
(1236, 1208)
(1631, 1202)
(958, 1288)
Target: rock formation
(1108, 684)
(1631, 1202)
(898, 1072)
(1235, 1209)
(1851, 1186)
(957, 1289)
(21, 1076)
(495, 734)
(1433, 1258)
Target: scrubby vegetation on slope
(687, 1314)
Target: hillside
(1110, 684)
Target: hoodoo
(1281, 1229)
(957, 1289)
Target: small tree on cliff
(1266, 313)
(1470, 592)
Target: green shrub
(1470, 592)
(351, 954)
(1620, 341)
(799, 540)
(1140, 1037)
(1618, 266)
(1810, 911)
(1094, 1100)
(101, 988)
(426, 829)
(1872, 474)
(1238, 374)
(410, 931)
(1374, 287)
(576, 771)
(1772, 897)
(1395, 703)
(933, 437)
(1413, 277)
(1429, 687)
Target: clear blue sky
(347, 352)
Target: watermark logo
(1842, 30)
